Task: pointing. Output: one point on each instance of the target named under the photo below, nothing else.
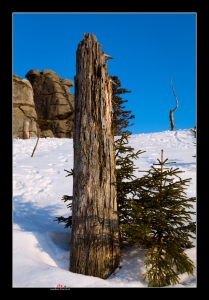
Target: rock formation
(23, 108)
(53, 103)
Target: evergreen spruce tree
(126, 180)
(61, 219)
(121, 117)
(161, 216)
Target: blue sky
(148, 49)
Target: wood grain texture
(95, 249)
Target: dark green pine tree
(61, 219)
(126, 180)
(160, 220)
(121, 116)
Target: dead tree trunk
(35, 144)
(26, 133)
(94, 249)
(172, 110)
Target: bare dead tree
(35, 144)
(172, 110)
(95, 248)
(26, 133)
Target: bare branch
(172, 110)
(174, 96)
(35, 145)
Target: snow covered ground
(41, 247)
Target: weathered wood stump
(26, 133)
(94, 249)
